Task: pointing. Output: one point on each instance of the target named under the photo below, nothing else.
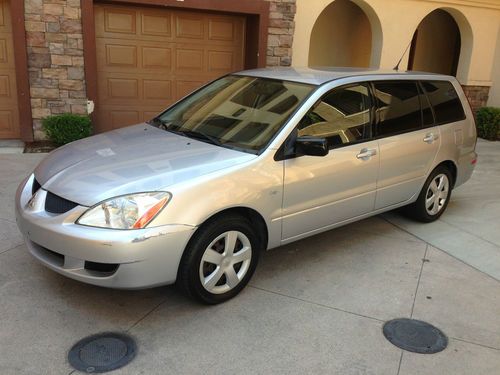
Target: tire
(433, 199)
(219, 260)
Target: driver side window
(342, 116)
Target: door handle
(430, 137)
(366, 153)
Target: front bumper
(128, 259)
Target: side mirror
(312, 146)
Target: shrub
(488, 123)
(65, 128)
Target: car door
(322, 191)
(408, 140)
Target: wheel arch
(253, 216)
(186, 275)
(452, 167)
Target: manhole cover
(415, 336)
(102, 352)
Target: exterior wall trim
(252, 8)
(22, 77)
(491, 4)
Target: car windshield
(239, 112)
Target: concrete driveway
(313, 307)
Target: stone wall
(55, 59)
(478, 96)
(281, 29)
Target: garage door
(147, 58)
(9, 115)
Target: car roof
(318, 76)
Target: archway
(436, 44)
(343, 36)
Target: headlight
(126, 212)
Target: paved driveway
(313, 307)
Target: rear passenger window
(427, 116)
(342, 116)
(445, 101)
(398, 107)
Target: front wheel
(219, 260)
(433, 198)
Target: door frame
(256, 12)
(22, 77)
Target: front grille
(35, 187)
(57, 205)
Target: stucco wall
(494, 99)
(335, 43)
(394, 23)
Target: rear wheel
(219, 260)
(433, 198)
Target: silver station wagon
(249, 162)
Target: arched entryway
(436, 44)
(344, 35)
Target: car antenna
(396, 68)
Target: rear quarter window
(445, 101)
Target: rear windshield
(445, 101)
(238, 112)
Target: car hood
(129, 160)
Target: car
(251, 161)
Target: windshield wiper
(172, 127)
(158, 122)
(200, 136)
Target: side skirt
(348, 221)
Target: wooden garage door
(9, 113)
(148, 58)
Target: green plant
(488, 123)
(67, 127)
